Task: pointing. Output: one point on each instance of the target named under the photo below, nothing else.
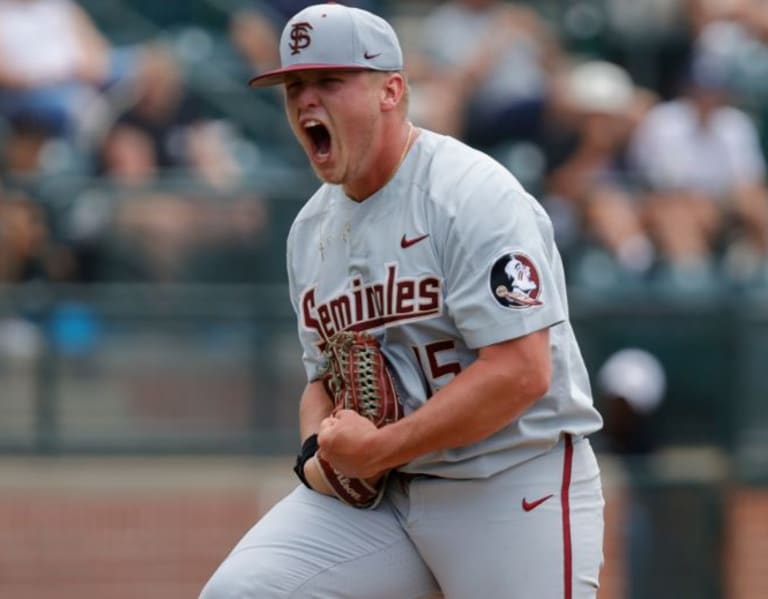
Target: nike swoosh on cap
(370, 56)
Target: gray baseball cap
(334, 36)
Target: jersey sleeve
(311, 355)
(503, 274)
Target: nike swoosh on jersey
(406, 243)
(370, 56)
(528, 506)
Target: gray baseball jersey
(449, 256)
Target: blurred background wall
(149, 368)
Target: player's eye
(330, 81)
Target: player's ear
(392, 91)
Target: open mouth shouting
(319, 139)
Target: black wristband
(308, 449)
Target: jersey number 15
(428, 355)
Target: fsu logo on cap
(514, 281)
(300, 37)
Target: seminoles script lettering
(367, 306)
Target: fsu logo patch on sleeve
(514, 281)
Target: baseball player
(490, 486)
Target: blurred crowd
(641, 127)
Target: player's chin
(327, 171)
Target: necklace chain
(411, 130)
(408, 140)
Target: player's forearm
(480, 401)
(453, 418)
(314, 406)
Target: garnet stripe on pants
(566, 506)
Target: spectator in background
(495, 59)
(630, 388)
(163, 130)
(153, 235)
(160, 106)
(734, 33)
(631, 385)
(210, 154)
(650, 38)
(254, 35)
(589, 191)
(30, 254)
(236, 243)
(255, 25)
(23, 141)
(128, 156)
(748, 15)
(437, 100)
(701, 160)
(175, 238)
(285, 9)
(128, 165)
(144, 234)
(55, 66)
(28, 251)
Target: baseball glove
(357, 378)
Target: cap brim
(277, 76)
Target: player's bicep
(525, 361)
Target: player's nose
(305, 97)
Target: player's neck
(384, 165)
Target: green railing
(138, 368)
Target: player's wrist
(306, 453)
(383, 449)
(314, 477)
(307, 468)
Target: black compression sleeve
(308, 449)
